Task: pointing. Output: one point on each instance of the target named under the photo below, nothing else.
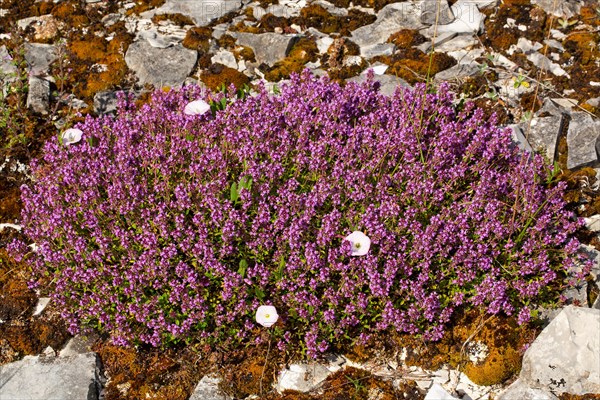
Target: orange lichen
(218, 75)
(178, 19)
(406, 38)
(499, 365)
(303, 51)
(413, 65)
(318, 17)
(198, 38)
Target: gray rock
(459, 42)
(564, 9)
(105, 102)
(468, 18)
(520, 390)
(159, 40)
(436, 12)
(39, 57)
(390, 19)
(200, 11)
(331, 9)
(78, 345)
(519, 139)
(38, 96)
(208, 389)
(160, 67)
(581, 140)
(543, 133)
(459, 71)
(379, 49)
(565, 357)
(302, 377)
(268, 47)
(226, 58)
(46, 378)
(592, 254)
(389, 83)
(8, 70)
(439, 39)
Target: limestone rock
(581, 138)
(565, 357)
(39, 57)
(563, 9)
(390, 19)
(389, 83)
(468, 18)
(43, 378)
(208, 389)
(200, 11)
(268, 47)
(302, 377)
(226, 58)
(543, 133)
(46, 27)
(519, 390)
(38, 96)
(105, 102)
(436, 12)
(437, 392)
(459, 71)
(160, 67)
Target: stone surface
(437, 392)
(439, 12)
(521, 391)
(439, 40)
(565, 357)
(160, 67)
(38, 95)
(200, 11)
(226, 58)
(208, 389)
(390, 19)
(105, 102)
(581, 138)
(380, 49)
(542, 134)
(268, 47)
(41, 305)
(49, 378)
(564, 9)
(39, 57)
(160, 40)
(302, 377)
(389, 83)
(459, 71)
(45, 27)
(468, 18)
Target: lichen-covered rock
(581, 139)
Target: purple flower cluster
(162, 226)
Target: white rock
(9, 225)
(565, 357)
(437, 392)
(519, 390)
(226, 58)
(324, 43)
(208, 389)
(200, 11)
(468, 18)
(302, 377)
(41, 305)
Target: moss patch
(303, 51)
(218, 75)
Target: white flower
(71, 135)
(266, 316)
(360, 243)
(196, 107)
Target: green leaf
(242, 268)
(234, 194)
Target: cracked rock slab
(160, 67)
(44, 378)
(200, 11)
(268, 47)
(565, 357)
(582, 135)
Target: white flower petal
(266, 316)
(360, 243)
(71, 135)
(196, 107)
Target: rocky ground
(536, 63)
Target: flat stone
(543, 133)
(268, 47)
(105, 102)
(160, 67)
(379, 49)
(160, 40)
(520, 390)
(45, 378)
(39, 57)
(439, 40)
(564, 9)
(390, 19)
(437, 392)
(458, 42)
(581, 139)
(389, 83)
(459, 71)
(323, 44)
(200, 11)
(208, 389)
(468, 18)
(78, 345)
(38, 96)
(519, 138)
(433, 12)
(302, 377)
(565, 357)
(41, 305)
(226, 58)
